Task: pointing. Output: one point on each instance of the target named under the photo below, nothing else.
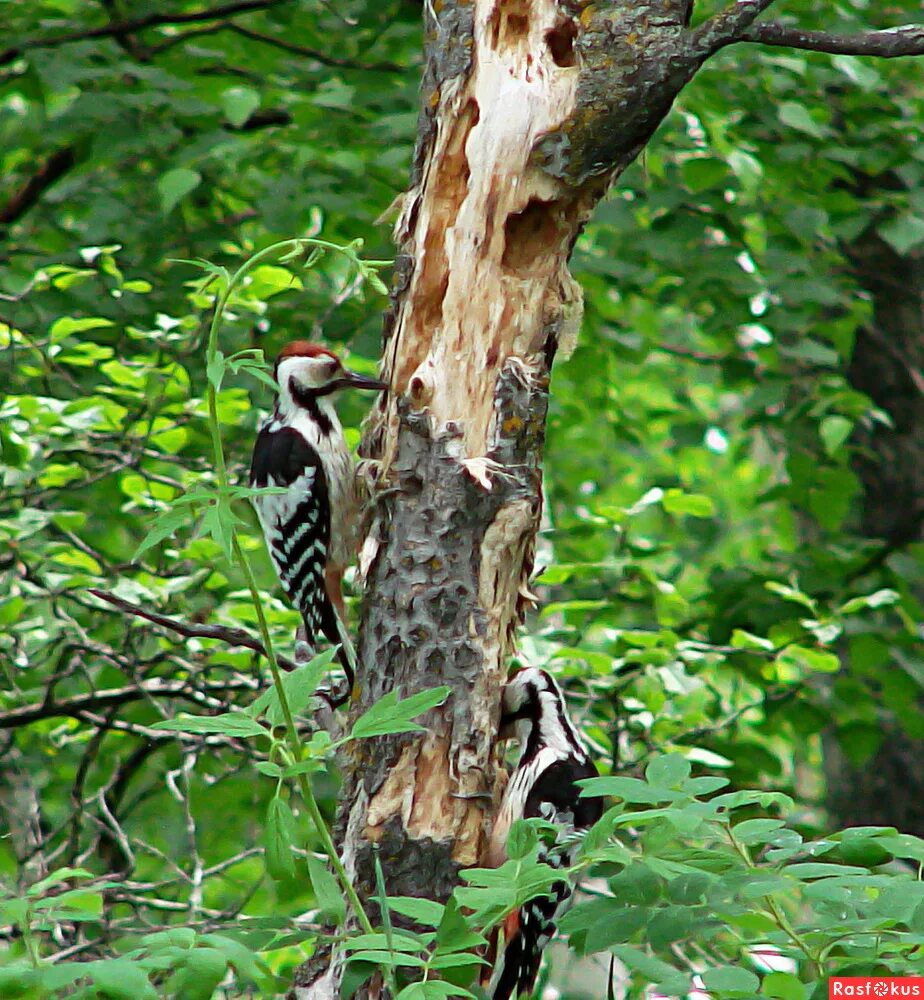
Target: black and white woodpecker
(311, 529)
(552, 759)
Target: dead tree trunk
(530, 108)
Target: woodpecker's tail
(335, 632)
(526, 932)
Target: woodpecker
(310, 529)
(552, 759)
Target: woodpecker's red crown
(316, 369)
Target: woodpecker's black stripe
(283, 454)
(308, 398)
(305, 528)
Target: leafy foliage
(711, 588)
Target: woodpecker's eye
(332, 367)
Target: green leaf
(388, 715)
(798, 117)
(668, 771)
(728, 979)
(804, 658)
(757, 831)
(299, 686)
(628, 789)
(661, 975)
(174, 185)
(327, 891)
(819, 869)
(239, 103)
(120, 979)
(205, 968)
(784, 986)
(278, 839)
(834, 431)
(790, 594)
(433, 989)
(879, 599)
(219, 521)
(521, 840)
(676, 501)
(400, 941)
(57, 877)
(215, 370)
(904, 233)
(421, 911)
(454, 933)
(165, 526)
(229, 723)
(68, 325)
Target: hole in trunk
(530, 236)
(509, 23)
(560, 41)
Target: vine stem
(221, 469)
(779, 917)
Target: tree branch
(727, 26)
(52, 170)
(321, 57)
(120, 29)
(223, 633)
(907, 40)
(157, 687)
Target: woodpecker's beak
(353, 380)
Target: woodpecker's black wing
(296, 523)
(554, 797)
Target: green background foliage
(711, 587)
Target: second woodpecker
(543, 785)
(311, 529)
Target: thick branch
(728, 25)
(52, 170)
(223, 633)
(155, 688)
(120, 29)
(907, 40)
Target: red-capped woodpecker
(552, 759)
(310, 529)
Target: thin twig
(114, 30)
(155, 688)
(223, 633)
(727, 26)
(322, 57)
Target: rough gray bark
(887, 365)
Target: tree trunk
(529, 109)
(887, 365)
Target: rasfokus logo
(876, 986)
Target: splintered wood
(489, 232)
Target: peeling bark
(529, 109)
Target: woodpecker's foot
(478, 796)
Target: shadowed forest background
(731, 566)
